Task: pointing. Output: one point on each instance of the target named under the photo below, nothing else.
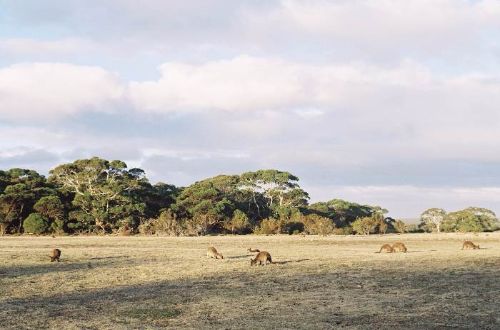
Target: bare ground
(315, 283)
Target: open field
(317, 282)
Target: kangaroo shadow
(238, 257)
(284, 262)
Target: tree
(238, 223)
(315, 224)
(343, 213)
(472, 219)
(400, 226)
(279, 188)
(19, 189)
(35, 223)
(52, 208)
(432, 219)
(106, 191)
(207, 204)
(365, 226)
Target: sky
(388, 102)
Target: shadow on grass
(284, 262)
(65, 265)
(427, 298)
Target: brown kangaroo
(262, 258)
(399, 247)
(470, 245)
(56, 254)
(387, 248)
(253, 250)
(212, 253)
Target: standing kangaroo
(399, 247)
(212, 253)
(469, 245)
(262, 258)
(387, 248)
(56, 254)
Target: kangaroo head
(253, 261)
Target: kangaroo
(262, 258)
(212, 253)
(469, 245)
(56, 254)
(253, 250)
(387, 248)
(399, 247)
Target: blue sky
(387, 102)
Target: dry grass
(331, 282)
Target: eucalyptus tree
(19, 190)
(431, 219)
(207, 204)
(106, 193)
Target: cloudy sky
(386, 102)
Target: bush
(400, 226)
(317, 225)
(346, 230)
(238, 224)
(268, 226)
(166, 224)
(35, 223)
(294, 228)
(365, 226)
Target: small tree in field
(400, 226)
(432, 219)
(365, 226)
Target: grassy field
(316, 283)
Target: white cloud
(384, 25)
(54, 90)
(28, 46)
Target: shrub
(166, 224)
(400, 226)
(346, 230)
(35, 223)
(238, 224)
(365, 226)
(294, 227)
(268, 226)
(317, 225)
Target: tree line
(100, 196)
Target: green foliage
(105, 190)
(35, 223)
(166, 224)
(431, 219)
(100, 196)
(472, 219)
(269, 226)
(366, 225)
(238, 224)
(317, 225)
(344, 213)
(400, 226)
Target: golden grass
(316, 282)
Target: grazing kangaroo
(399, 247)
(253, 250)
(469, 245)
(56, 254)
(212, 253)
(262, 258)
(387, 248)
